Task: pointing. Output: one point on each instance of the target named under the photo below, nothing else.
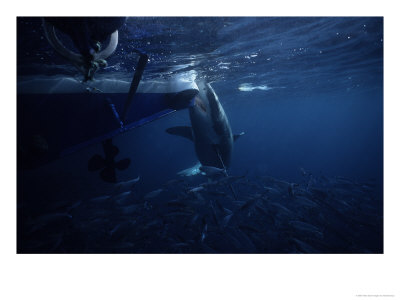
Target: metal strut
(143, 58)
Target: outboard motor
(87, 34)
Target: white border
(198, 276)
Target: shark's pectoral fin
(236, 136)
(183, 131)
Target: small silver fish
(213, 171)
(204, 233)
(226, 220)
(196, 189)
(119, 198)
(153, 194)
(126, 184)
(306, 227)
(100, 198)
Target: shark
(210, 130)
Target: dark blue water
(307, 92)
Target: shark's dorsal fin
(236, 136)
(183, 131)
